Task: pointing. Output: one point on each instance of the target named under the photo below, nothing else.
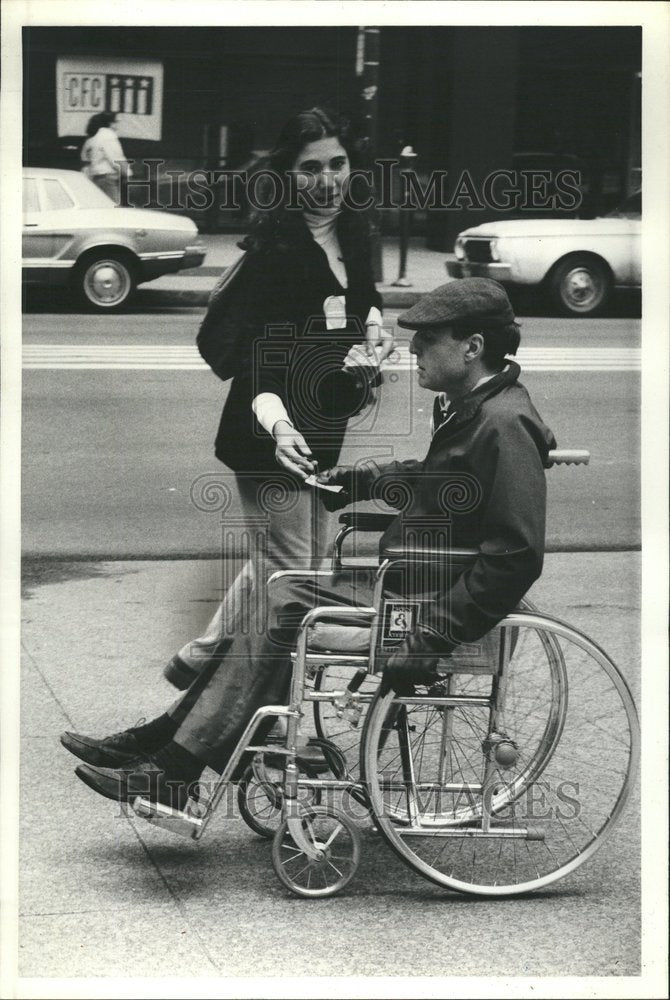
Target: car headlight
(494, 251)
(459, 248)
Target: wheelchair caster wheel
(259, 798)
(320, 856)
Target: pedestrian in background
(102, 155)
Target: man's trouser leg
(257, 668)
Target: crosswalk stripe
(130, 357)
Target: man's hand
(292, 451)
(414, 661)
(356, 482)
(339, 475)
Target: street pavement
(113, 439)
(104, 895)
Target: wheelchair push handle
(569, 456)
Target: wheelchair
(501, 778)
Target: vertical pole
(633, 175)
(407, 158)
(210, 213)
(367, 71)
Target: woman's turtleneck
(323, 227)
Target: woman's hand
(292, 451)
(358, 355)
(362, 356)
(379, 338)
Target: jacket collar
(464, 409)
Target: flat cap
(463, 301)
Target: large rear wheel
(505, 802)
(342, 724)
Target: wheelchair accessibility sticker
(399, 620)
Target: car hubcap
(582, 288)
(107, 283)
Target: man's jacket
(482, 486)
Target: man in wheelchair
(481, 485)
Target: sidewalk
(425, 270)
(105, 895)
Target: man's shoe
(142, 777)
(112, 751)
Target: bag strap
(226, 280)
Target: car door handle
(27, 224)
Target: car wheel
(580, 285)
(104, 282)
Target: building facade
(468, 99)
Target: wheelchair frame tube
(242, 747)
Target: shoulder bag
(219, 341)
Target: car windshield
(631, 208)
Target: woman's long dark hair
(282, 227)
(102, 120)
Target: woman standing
(303, 298)
(102, 154)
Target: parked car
(578, 262)
(74, 235)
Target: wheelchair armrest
(338, 616)
(361, 521)
(353, 520)
(415, 553)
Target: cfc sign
(131, 88)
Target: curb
(392, 298)
(603, 547)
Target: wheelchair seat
(325, 637)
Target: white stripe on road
(136, 357)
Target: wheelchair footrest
(182, 823)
